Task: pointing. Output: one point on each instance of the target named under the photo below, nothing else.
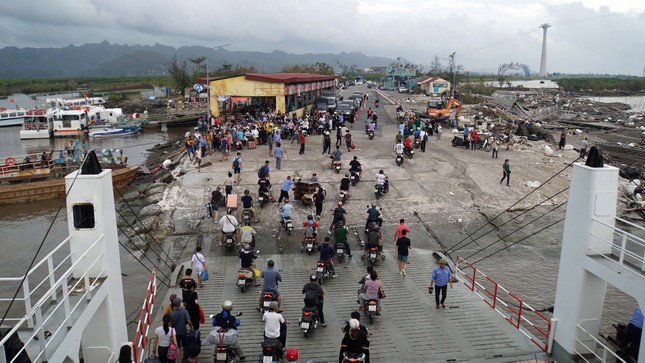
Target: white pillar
(108, 326)
(579, 294)
(543, 58)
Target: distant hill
(105, 59)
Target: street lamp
(208, 86)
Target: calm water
(636, 102)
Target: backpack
(311, 297)
(236, 163)
(309, 232)
(262, 172)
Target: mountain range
(105, 59)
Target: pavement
(438, 193)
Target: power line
(515, 231)
(510, 220)
(516, 242)
(514, 204)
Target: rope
(144, 255)
(514, 204)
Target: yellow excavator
(439, 110)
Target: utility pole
(454, 73)
(208, 85)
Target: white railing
(605, 351)
(627, 249)
(61, 315)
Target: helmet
(246, 246)
(292, 354)
(227, 305)
(354, 324)
(442, 261)
(310, 222)
(380, 171)
(313, 277)
(373, 204)
(347, 175)
(273, 305)
(340, 204)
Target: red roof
(288, 77)
(432, 79)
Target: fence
(140, 341)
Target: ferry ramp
(410, 328)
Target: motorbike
(398, 159)
(267, 298)
(271, 350)
(287, 223)
(409, 152)
(355, 177)
(337, 165)
(245, 279)
(417, 143)
(370, 134)
(309, 244)
(349, 357)
(629, 353)
(376, 103)
(380, 189)
(322, 271)
(229, 241)
(372, 255)
(458, 141)
(263, 199)
(371, 309)
(225, 341)
(340, 251)
(309, 320)
(247, 217)
(484, 144)
(342, 195)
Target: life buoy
(10, 161)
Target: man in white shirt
(273, 321)
(228, 224)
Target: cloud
(597, 36)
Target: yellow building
(434, 86)
(284, 92)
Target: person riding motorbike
(345, 183)
(340, 235)
(225, 321)
(271, 278)
(265, 188)
(336, 155)
(354, 341)
(285, 210)
(355, 166)
(247, 204)
(371, 126)
(315, 298)
(374, 239)
(398, 148)
(310, 231)
(381, 180)
(247, 235)
(228, 224)
(407, 143)
(373, 215)
(327, 252)
(339, 216)
(246, 261)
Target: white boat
(11, 117)
(75, 102)
(113, 131)
(70, 123)
(37, 124)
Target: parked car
(346, 110)
(357, 100)
(351, 104)
(331, 103)
(402, 89)
(320, 104)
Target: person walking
(441, 277)
(164, 335)
(563, 140)
(506, 167)
(198, 263)
(474, 137)
(339, 135)
(319, 199)
(301, 140)
(439, 131)
(284, 191)
(399, 230)
(583, 148)
(180, 319)
(495, 143)
(348, 140)
(326, 143)
(228, 184)
(237, 167)
(269, 141)
(403, 247)
(278, 156)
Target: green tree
(198, 64)
(180, 77)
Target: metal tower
(544, 27)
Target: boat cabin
(70, 122)
(37, 124)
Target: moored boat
(37, 124)
(70, 123)
(114, 131)
(11, 117)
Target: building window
(84, 216)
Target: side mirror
(239, 314)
